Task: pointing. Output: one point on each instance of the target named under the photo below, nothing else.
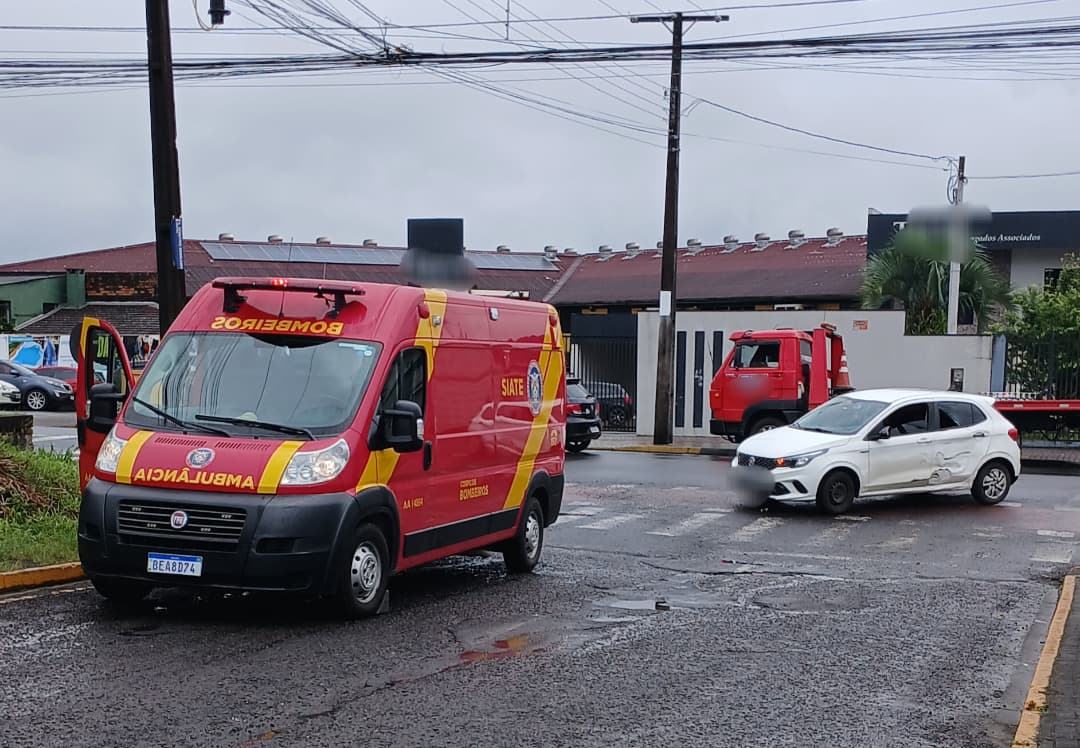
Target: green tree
(907, 274)
(1043, 332)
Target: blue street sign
(177, 236)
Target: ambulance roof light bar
(321, 288)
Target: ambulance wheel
(121, 590)
(366, 574)
(522, 553)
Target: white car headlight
(800, 460)
(108, 457)
(307, 468)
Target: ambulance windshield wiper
(295, 430)
(179, 421)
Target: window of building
(5, 312)
(1050, 278)
(48, 306)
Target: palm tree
(908, 274)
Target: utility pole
(960, 237)
(168, 225)
(665, 359)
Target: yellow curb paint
(41, 575)
(659, 449)
(1027, 731)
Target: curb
(1027, 731)
(669, 450)
(40, 576)
(1057, 467)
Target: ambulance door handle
(427, 455)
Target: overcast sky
(352, 156)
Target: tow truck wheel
(121, 590)
(768, 423)
(366, 575)
(523, 551)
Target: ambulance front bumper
(226, 541)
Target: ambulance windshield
(314, 384)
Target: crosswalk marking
(748, 532)
(691, 523)
(1054, 553)
(832, 534)
(606, 523)
(1057, 534)
(901, 541)
(1012, 504)
(581, 510)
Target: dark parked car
(582, 421)
(616, 407)
(66, 374)
(38, 392)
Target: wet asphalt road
(914, 622)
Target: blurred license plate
(166, 563)
(594, 430)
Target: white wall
(879, 356)
(1028, 266)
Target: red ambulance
(315, 437)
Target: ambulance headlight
(108, 457)
(306, 468)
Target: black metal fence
(607, 367)
(1047, 368)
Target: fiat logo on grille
(178, 520)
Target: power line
(1048, 175)
(820, 136)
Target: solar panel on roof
(365, 256)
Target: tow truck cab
(772, 377)
(315, 437)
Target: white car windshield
(211, 380)
(841, 415)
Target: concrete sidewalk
(1064, 460)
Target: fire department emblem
(200, 458)
(178, 520)
(536, 388)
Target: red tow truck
(772, 377)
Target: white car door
(901, 458)
(959, 443)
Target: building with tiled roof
(825, 270)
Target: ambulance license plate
(166, 563)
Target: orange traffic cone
(843, 381)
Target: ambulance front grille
(222, 524)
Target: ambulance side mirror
(105, 403)
(402, 426)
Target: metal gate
(607, 368)
(1046, 368)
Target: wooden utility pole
(665, 358)
(168, 225)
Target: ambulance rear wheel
(123, 591)
(365, 574)
(522, 553)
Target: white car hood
(788, 442)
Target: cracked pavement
(662, 612)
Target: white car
(9, 394)
(883, 442)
